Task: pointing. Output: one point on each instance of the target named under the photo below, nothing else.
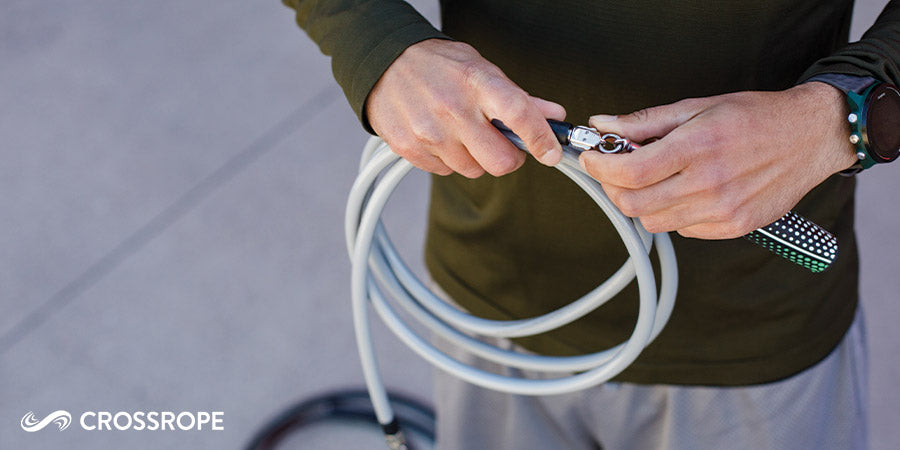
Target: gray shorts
(823, 407)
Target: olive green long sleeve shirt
(526, 243)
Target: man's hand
(723, 166)
(434, 105)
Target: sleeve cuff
(376, 35)
(373, 66)
(844, 82)
(876, 55)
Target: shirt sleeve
(363, 38)
(876, 55)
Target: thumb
(550, 110)
(648, 123)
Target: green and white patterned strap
(798, 240)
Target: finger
(679, 203)
(550, 110)
(649, 123)
(712, 230)
(676, 218)
(662, 211)
(644, 167)
(721, 220)
(432, 145)
(507, 102)
(409, 144)
(457, 157)
(702, 223)
(654, 199)
(429, 163)
(491, 149)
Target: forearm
(363, 38)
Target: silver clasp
(586, 138)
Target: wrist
(873, 119)
(827, 108)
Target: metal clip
(613, 143)
(585, 138)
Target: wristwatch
(875, 124)
(874, 118)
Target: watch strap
(856, 102)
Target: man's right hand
(434, 104)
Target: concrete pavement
(174, 176)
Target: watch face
(883, 123)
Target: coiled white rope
(379, 272)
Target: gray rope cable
(379, 273)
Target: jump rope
(380, 274)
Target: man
(745, 106)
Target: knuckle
(403, 146)
(714, 180)
(732, 230)
(394, 136)
(463, 164)
(720, 215)
(630, 176)
(630, 209)
(743, 223)
(546, 137)
(504, 165)
(444, 104)
(626, 202)
(726, 210)
(518, 108)
(471, 172)
(712, 140)
(642, 115)
(475, 74)
(440, 170)
(428, 135)
(652, 224)
(430, 164)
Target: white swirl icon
(61, 418)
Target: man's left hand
(723, 166)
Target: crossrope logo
(61, 418)
(130, 420)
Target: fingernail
(603, 118)
(552, 157)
